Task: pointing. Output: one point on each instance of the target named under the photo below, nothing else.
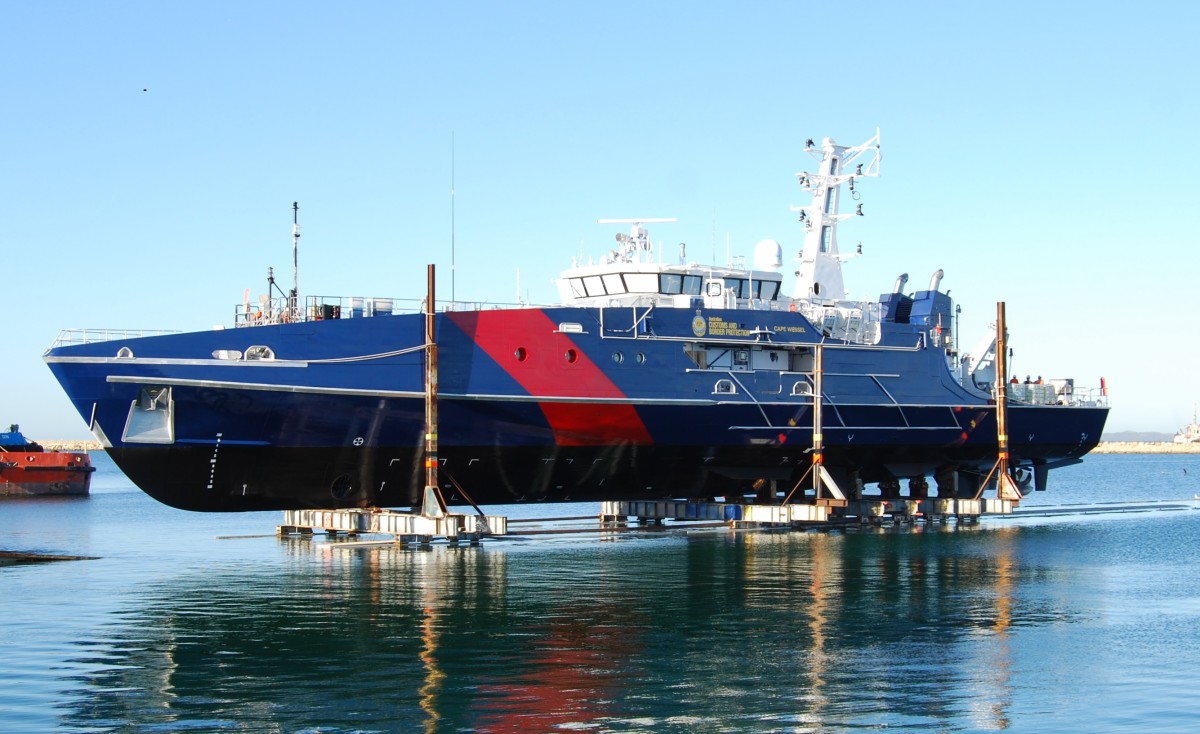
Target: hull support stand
(1007, 493)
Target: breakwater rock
(70, 445)
(1146, 447)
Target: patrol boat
(650, 379)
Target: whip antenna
(295, 300)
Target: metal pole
(818, 442)
(1002, 385)
(433, 503)
(1006, 489)
(1003, 481)
(295, 304)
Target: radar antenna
(636, 245)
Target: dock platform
(403, 526)
(643, 515)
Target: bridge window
(670, 283)
(642, 282)
(767, 289)
(613, 283)
(594, 286)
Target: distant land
(1137, 437)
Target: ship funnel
(900, 282)
(936, 280)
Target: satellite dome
(768, 255)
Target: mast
(819, 277)
(294, 301)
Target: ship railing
(1056, 392)
(68, 337)
(321, 308)
(857, 323)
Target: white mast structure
(819, 278)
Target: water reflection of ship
(923, 593)
(818, 629)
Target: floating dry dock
(617, 516)
(649, 516)
(401, 525)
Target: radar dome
(768, 255)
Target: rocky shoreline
(1146, 447)
(70, 445)
(1105, 447)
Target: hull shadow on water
(726, 631)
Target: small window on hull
(259, 353)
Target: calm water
(1051, 624)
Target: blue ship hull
(543, 404)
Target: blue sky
(1040, 153)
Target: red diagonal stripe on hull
(547, 373)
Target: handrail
(68, 337)
(280, 310)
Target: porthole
(571, 356)
(641, 358)
(521, 354)
(618, 358)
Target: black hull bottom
(251, 478)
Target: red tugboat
(28, 469)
